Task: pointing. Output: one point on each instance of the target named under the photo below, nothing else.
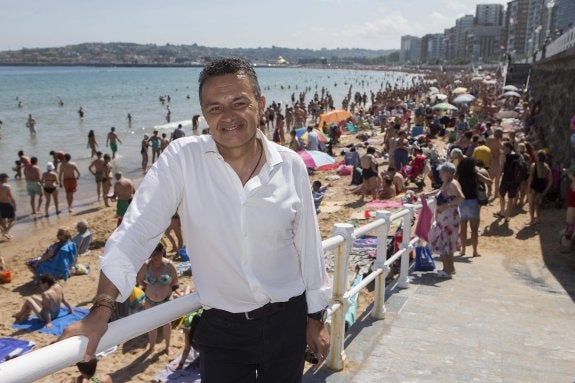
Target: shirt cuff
(120, 271)
(318, 300)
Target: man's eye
(240, 104)
(215, 109)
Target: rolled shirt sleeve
(144, 223)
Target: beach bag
(423, 259)
(345, 170)
(425, 220)
(482, 199)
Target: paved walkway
(501, 319)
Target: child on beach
(318, 192)
(18, 169)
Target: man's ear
(262, 105)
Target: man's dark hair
(88, 368)
(33, 160)
(47, 279)
(371, 150)
(230, 65)
(508, 145)
(68, 156)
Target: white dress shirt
(248, 245)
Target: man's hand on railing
(92, 327)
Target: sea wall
(552, 83)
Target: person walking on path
(539, 184)
(256, 324)
(69, 176)
(469, 176)
(112, 140)
(510, 181)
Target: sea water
(108, 94)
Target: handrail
(57, 356)
(54, 357)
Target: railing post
(379, 299)
(337, 352)
(403, 282)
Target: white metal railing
(52, 358)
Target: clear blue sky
(376, 24)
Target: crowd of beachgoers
(464, 139)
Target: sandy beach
(127, 363)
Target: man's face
(231, 109)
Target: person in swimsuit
(155, 143)
(159, 279)
(50, 183)
(370, 174)
(106, 178)
(92, 144)
(33, 174)
(46, 306)
(7, 207)
(124, 191)
(97, 170)
(539, 183)
(113, 140)
(69, 176)
(144, 152)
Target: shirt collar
(273, 156)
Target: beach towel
(366, 241)
(11, 348)
(183, 268)
(186, 375)
(58, 324)
(382, 205)
(60, 266)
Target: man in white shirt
(312, 139)
(248, 218)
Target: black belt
(261, 312)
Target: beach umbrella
(433, 90)
(512, 88)
(511, 94)
(302, 133)
(506, 114)
(444, 106)
(441, 97)
(490, 82)
(456, 82)
(509, 124)
(315, 159)
(336, 115)
(464, 99)
(459, 90)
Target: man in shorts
(69, 176)
(124, 191)
(113, 140)
(7, 207)
(97, 169)
(33, 175)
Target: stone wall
(552, 83)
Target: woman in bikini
(46, 306)
(92, 144)
(539, 184)
(50, 184)
(159, 279)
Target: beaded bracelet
(103, 300)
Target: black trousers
(266, 350)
